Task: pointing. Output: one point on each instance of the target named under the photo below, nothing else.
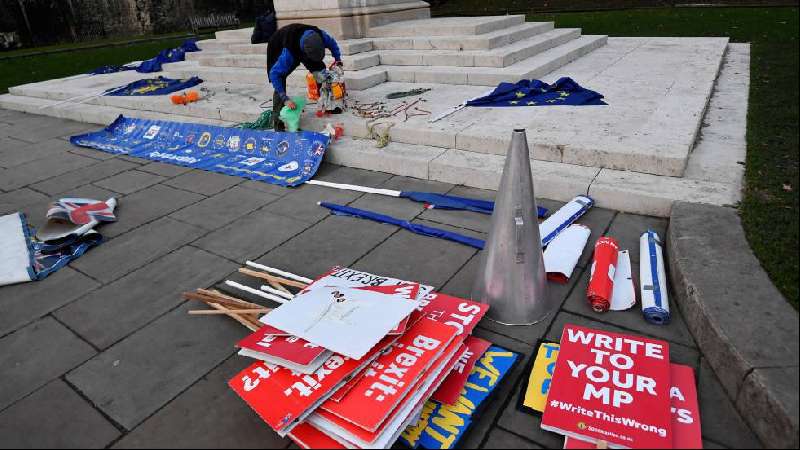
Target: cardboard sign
(393, 374)
(442, 426)
(287, 351)
(347, 321)
(686, 431)
(282, 398)
(541, 377)
(459, 313)
(308, 437)
(385, 435)
(404, 290)
(345, 277)
(611, 387)
(452, 386)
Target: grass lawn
(769, 210)
(30, 69)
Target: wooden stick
(219, 300)
(279, 287)
(214, 312)
(273, 278)
(247, 324)
(217, 294)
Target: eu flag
(154, 86)
(565, 91)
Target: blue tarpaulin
(412, 227)
(154, 86)
(452, 202)
(286, 159)
(154, 64)
(565, 91)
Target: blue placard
(442, 426)
(286, 159)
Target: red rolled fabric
(604, 266)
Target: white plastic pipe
(279, 272)
(250, 290)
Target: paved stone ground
(103, 354)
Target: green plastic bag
(291, 117)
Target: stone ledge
(742, 324)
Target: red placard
(282, 397)
(450, 390)
(611, 387)
(308, 437)
(459, 313)
(286, 348)
(388, 381)
(362, 437)
(686, 431)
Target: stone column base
(349, 21)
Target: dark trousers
(277, 105)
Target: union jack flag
(82, 211)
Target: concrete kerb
(751, 343)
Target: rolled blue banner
(655, 303)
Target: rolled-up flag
(604, 267)
(412, 227)
(653, 279)
(564, 217)
(431, 200)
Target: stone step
(532, 67)
(91, 113)
(488, 41)
(357, 80)
(244, 47)
(620, 190)
(360, 61)
(446, 26)
(234, 35)
(497, 57)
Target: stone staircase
(481, 51)
(638, 154)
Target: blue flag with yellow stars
(154, 86)
(565, 91)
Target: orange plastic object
(178, 99)
(313, 90)
(337, 89)
(192, 96)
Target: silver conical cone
(511, 278)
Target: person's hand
(338, 63)
(292, 105)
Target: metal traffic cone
(511, 278)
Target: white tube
(277, 292)
(279, 272)
(250, 290)
(353, 187)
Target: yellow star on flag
(520, 94)
(513, 102)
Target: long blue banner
(286, 159)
